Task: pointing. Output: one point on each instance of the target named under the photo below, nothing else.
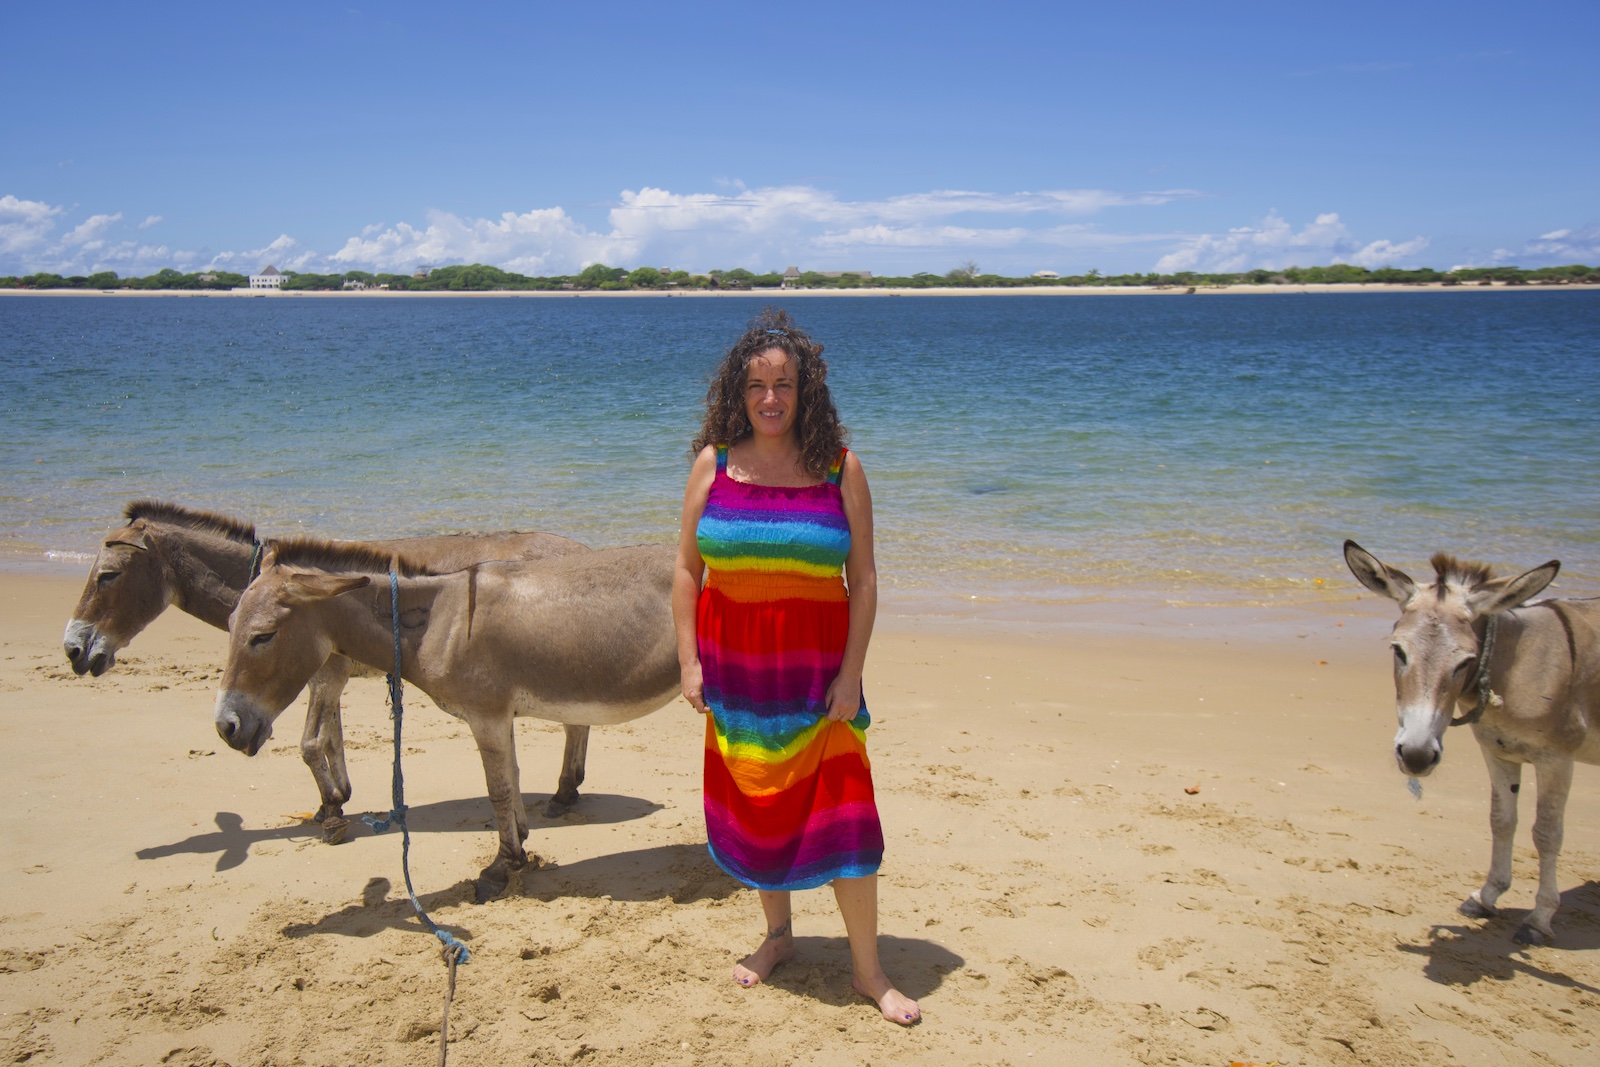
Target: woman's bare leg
(779, 943)
(858, 904)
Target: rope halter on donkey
(1480, 681)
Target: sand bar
(786, 294)
(1052, 893)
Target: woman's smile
(771, 393)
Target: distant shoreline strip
(785, 294)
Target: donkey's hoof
(1473, 908)
(495, 878)
(1530, 935)
(334, 828)
(490, 884)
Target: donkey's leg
(1505, 778)
(497, 747)
(1549, 822)
(573, 761)
(1505, 781)
(520, 807)
(322, 746)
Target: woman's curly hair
(816, 423)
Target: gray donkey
(201, 561)
(583, 639)
(1526, 677)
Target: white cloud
(1275, 244)
(27, 246)
(24, 225)
(802, 225)
(542, 241)
(90, 234)
(284, 253)
(1558, 248)
(763, 229)
(1388, 253)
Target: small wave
(55, 555)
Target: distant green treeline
(479, 278)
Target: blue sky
(887, 137)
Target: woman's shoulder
(708, 460)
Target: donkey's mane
(189, 518)
(341, 556)
(1447, 570)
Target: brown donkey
(584, 639)
(1525, 676)
(200, 561)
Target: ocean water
(1022, 450)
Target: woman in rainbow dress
(772, 638)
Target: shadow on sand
(1462, 954)
(231, 841)
(681, 873)
(821, 968)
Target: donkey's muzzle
(88, 651)
(240, 725)
(1420, 760)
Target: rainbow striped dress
(788, 794)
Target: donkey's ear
(132, 535)
(305, 588)
(1503, 594)
(1378, 576)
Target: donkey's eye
(1399, 656)
(1467, 666)
(107, 577)
(257, 640)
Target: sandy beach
(786, 294)
(1124, 847)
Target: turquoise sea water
(1029, 450)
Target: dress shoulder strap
(722, 459)
(836, 471)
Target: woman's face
(771, 393)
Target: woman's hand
(686, 578)
(843, 698)
(693, 685)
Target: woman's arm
(861, 575)
(687, 575)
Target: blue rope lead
(455, 951)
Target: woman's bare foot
(895, 1005)
(776, 949)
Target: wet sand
(1110, 847)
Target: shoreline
(1039, 290)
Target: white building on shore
(268, 279)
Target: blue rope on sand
(454, 949)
